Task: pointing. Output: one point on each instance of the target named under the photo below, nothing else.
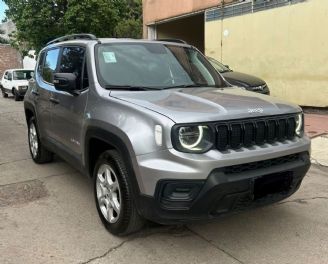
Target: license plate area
(271, 184)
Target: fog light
(180, 194)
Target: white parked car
(15, 81)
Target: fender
(118, 144)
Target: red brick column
(10, 58)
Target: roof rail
(173, 40)
(72, 37)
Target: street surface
(48, 215)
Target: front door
(42, 90)
(6, 83)
(68, 109)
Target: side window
(72, 62)
(10, 76)
(50, 65)
(40, 63)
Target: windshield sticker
(109, 57)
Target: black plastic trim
(118, 144)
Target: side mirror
(5, 77)
(65, 82)
(227, 66)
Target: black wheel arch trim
(118, 144)
(29, 106)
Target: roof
(19, 70)
(115, 40)
(89, 38)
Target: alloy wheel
(33, 138)
(108, 193)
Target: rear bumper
(226, 190)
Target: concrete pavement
(316, 127)
(47, 215)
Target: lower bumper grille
(261, 164)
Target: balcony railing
(246, 7)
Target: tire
(38, 152)
(16, 95)
(4, 94)
(112, 189)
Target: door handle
(54, 100)
(35, 93)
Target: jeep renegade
(161, 134)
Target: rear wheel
(113, 195)
(38, 152)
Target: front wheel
(4, 94)
(113, 195)
(16, 95)
(38, 152)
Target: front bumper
(226, 190)
(171, 164)
(21, 91)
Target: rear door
(68, 110)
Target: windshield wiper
(129, 87)
(224, 71)
(184, 86)
(195, 85)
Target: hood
(190, 105)
(238, 78)
(20, 82)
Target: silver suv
(160, 132)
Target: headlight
(193, 138)
(299, 127)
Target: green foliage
(129, 28)
(39, 21)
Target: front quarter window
(72, 60)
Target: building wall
(8, 27)
(177, 29)
(286, 46)
(9, 58)
(29, 61)
(156, 10)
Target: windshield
(153, 65)
(218, 65)
(22, 75)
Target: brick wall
(9, 58)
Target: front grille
(246, 133)
(261, 164)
